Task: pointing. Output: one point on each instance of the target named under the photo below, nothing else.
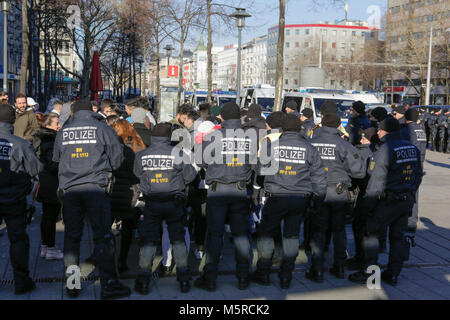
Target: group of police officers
(297, 172)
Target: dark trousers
(414, 218)
(126, 238)
(50, 213)
(197, 200)
(359, 228)
(19, 248)
(93, 202)
(150, 231)
(332, 214)
(291, 210)
(395, 215)
(227, 203)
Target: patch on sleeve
(372, 165)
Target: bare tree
(25, 47)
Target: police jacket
(432, 122)
(356, 126)
(394, 169)
(228, 153)
(441, 121)
(341, 160)
(18, 164)
(87, 151)
(164, 170)
(307, 128)
(43, 142)
(416, 135)
(291, 165)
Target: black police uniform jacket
(164, 170)
(87, 151)
(228, 153)
(43, 142)
(356, 126)
(342, 160)
(416, 135)
(394, 168)
(18, 164)
(291, 165)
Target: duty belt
(241, 185)
(395, 196)
(274, 195)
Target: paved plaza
(425, 276)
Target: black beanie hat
(307, 112)
(7, 114)
(412, 115)
(80, 105)
(292, 123)
(400, 109)
(331, 120)
(328, 107)
(437, 109)
(162, 130)
(230, 111)
(359, 107)
(371, 135)
(390, 124)
(275, 120)
(254, 111)
(379, 113)
(292, 105)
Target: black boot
(73, 293)
(359, 277)
(142, 284)
(313, 275)
(261, 278)
(353, 264)
(113, 289)
(386, 276)
(338, 271)
(205, 284)
(185, 286)
(27, 286)
(285, 281)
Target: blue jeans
(227, 202)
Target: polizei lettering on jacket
(5, 150)
(421, 136)
(290, 154)
(326, 151)
(405, 154)
(236, 145)
(157, 162)
(80, 135)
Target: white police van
(264, 95)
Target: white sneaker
(54, 254)
(43, 251)
(199, 254)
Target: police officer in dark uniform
(399, 114)
(416, 135)
(358, 122)
(227, 156)
(433, 123)
(342, 162)
(307, 117)
(18, 164)
(87, 151)
(164, 172)
(395, 175)
(289, 169)
(442, 131)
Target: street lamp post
(240, 16)
(427, 93)
(169, 50)
(5, 7)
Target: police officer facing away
(18, 164)
(395, 175)
(417, 136)
(164, 172)
(88, 151)
(288, 171)
(342, 162)
(307, 118)
(227, 156)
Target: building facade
(254, 61)
(343, 42)
(408, 29)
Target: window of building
(344, 33)
(363, 34)
(297, 44)
(297, 32)
(354, 33)
(306, 44)
(333, 45)
(295, 81)
(324, 32)
(332, 82)
(343, 45)
(307, 31)
(288, 32)
(286, 81)
(287, 44)
(334, 33)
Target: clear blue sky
(265, 14)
